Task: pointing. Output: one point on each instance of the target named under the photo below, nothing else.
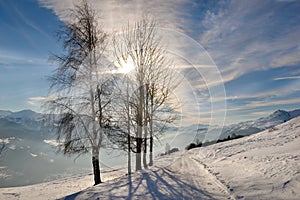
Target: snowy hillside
(261, 166)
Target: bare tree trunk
(145, 153)
(151, 132)
(95, 149)
(138, 159)
(151, 150)
(129, 156)
(128, 130)
(96, 166)
(139, 139)
(145, 128)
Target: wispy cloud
(265, 94)
(272, 103)
(264, 103)
(30, 23)
(116, 14)
(37, 101)
(12, 60)
(287, 77)
(258, 36)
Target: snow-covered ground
(58, 188)
(261, 166)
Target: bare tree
(152, 81)
(81, 89)
(121, 132)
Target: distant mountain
(25, 120)
(4, 113)
(248, 127)
(25, 115)
(28, 118)
(294, 113)
(254, 126)
(25, 124)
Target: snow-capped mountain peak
(280, 115)
(254, 126)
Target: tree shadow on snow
(159, 184)
(72, 196)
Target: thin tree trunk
(96, 167)
(128, 130)
(151, 150)
(138, 159)
(145, 128)
(129, 157)
(129, 145)
(139, 139)
(145, 154)
(151, 129)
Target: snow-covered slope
(261, 166)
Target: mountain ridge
(245, 128)
(29, 118)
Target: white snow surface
(261, 166)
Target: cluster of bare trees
(146, 89)
(95, 105)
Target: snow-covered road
(183, 179)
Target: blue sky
(255, 46)
(26, 39)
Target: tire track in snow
(214, 178)
(197, 173)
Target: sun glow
(125, 67)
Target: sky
(239, 60)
